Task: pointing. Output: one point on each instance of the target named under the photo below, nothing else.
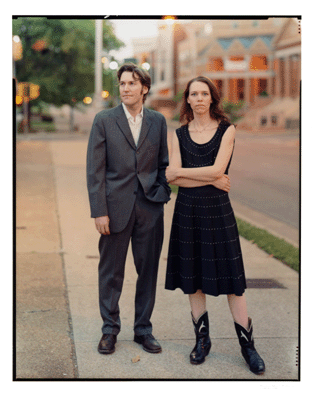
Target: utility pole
(98, 63)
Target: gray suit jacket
(115, 164)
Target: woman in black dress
(204, 253)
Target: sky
(127, 29)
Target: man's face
(130, 89)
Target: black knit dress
(204, 250)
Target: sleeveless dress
(204, 249)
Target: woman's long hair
(216, 112)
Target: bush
(233, 109)
(179, 96)
(47, 118)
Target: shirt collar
(128, 115)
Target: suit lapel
(123, 124)
(146, 123)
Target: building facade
(256, 61)
(237, 55)
(159, 53)
(287, 60)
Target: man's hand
(102, 225)
(223, 183)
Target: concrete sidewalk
(275, 311)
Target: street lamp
(98, 62)
(87, 100)
(105, 62)
(105, 94)
(113, 65)
(169, 19)
(146, 66)
(17, 51)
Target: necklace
(201, 130)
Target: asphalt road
(265, 175)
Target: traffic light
(18, 100)
(28, 91)
(34, 91)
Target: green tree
(58, 55)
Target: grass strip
(277, 247)
(38, 126)
(174, 188)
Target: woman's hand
(223, 183)
(171, 173)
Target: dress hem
(205, 292)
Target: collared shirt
(134, 123)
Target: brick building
(163, 60)
(237, 55)
(255, 61)
(281, 109)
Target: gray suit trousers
(145, 229)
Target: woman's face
(199, 97)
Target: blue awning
(247, 41)
(225, 42)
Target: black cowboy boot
(246, 340)
(203, 342)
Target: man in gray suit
(126, 160)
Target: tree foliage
(58, 55)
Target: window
(263, 121)
(215, 64)
(274, 120)
(240, 89)
(258, 62)
(236, 58)
(219, 85)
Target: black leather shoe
(107, 344)
(148, 343)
